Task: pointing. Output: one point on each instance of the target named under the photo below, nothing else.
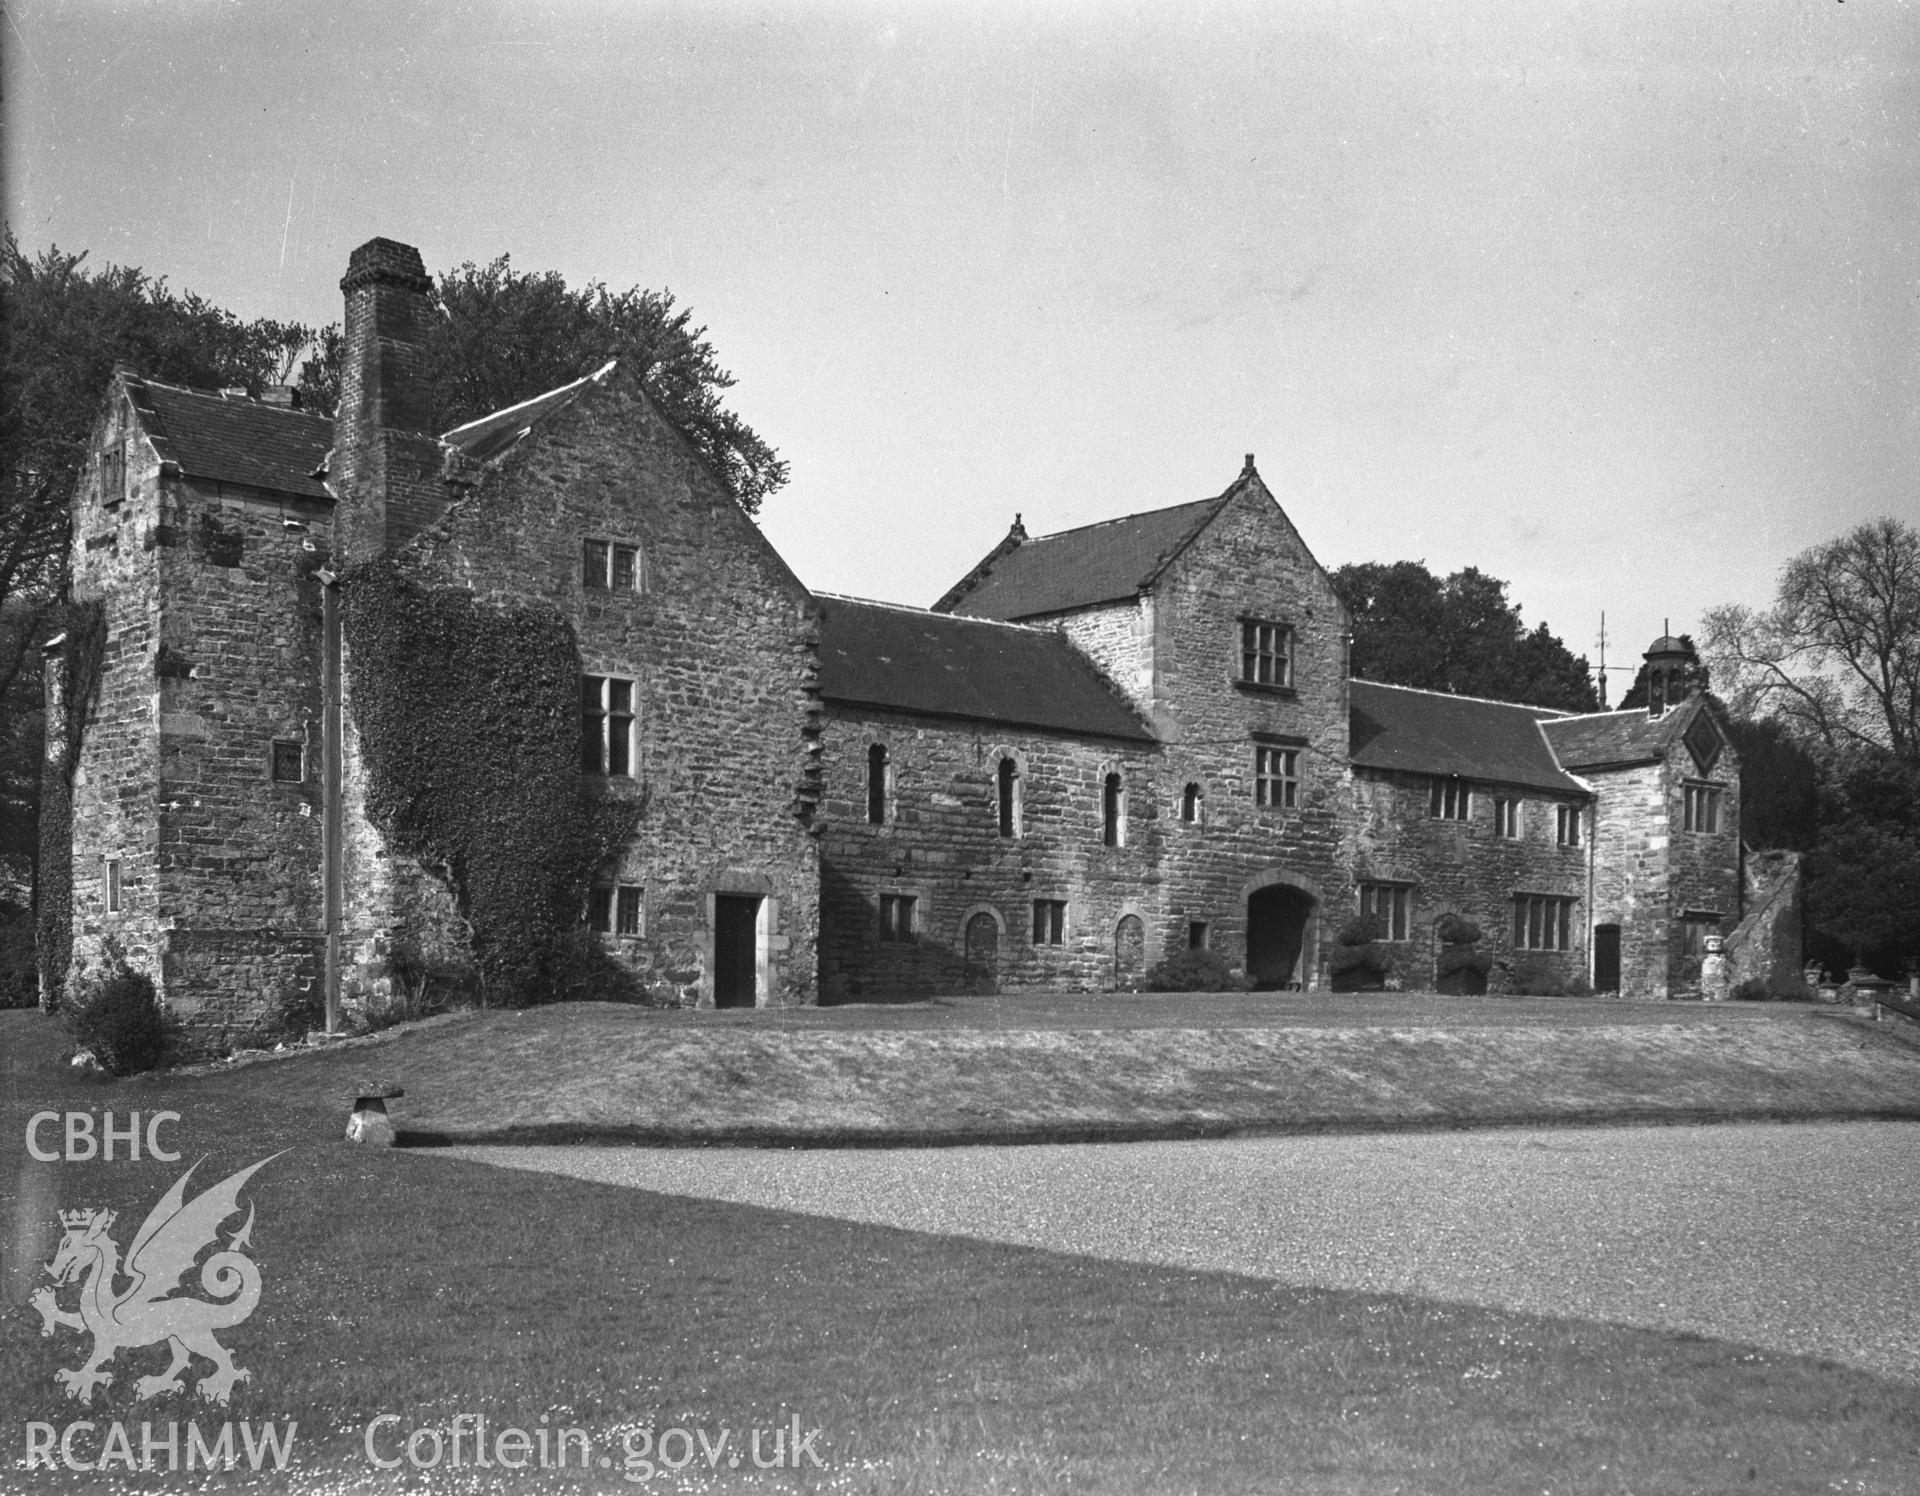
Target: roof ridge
(880, 602)
(1625, 711)
(507, 410)
(249, 403)
(1121, 519)
(1553, 712)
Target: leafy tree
(66, 326)
(1863, 870)
(1837, 656)
(1779, 786)
(503, 335)
(1458, 634)
(1692, 676)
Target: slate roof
(1428, 732)
(1611, 739)
(1078, 568)
(234, 440)
(880, 654)
(492, 435)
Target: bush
(1193, 971)
(1764, 990)
(115, 1013)
(1453, 929)
(1536, 976)
(19, 974)
(1359, 962)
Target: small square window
(896, 918)
(608, 566)
(1049, 921)
(1566, 828)
(615, 909)
(1276, 777)
(1391, 904)
(1703, 807)
(1198, 935)
(289, 763)
(1266, 653)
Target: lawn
(1080, 1068)
(407, 1283)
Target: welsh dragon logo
(145, 1313)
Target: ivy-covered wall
(467, 719)
(716, 637)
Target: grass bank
(433, 1290)
(600, 1072)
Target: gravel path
(1792, 1238)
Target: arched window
(1192, 805)
(1009, 798)
(1113, 818)
(877, 774)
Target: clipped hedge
(469, 721)
(1193, 971)
(1359, 962)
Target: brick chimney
(386, 464)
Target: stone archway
(1278, 920)
(982, 942)
(1129, 953)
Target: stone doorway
(1277, 918)
(1129, 954)
(983, 954)
(736, 950)
(1606, 958)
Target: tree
(1458, 634)
(1863, 871)
(1837, 656)
(501, 336)
(1779, 786)
(66, 327)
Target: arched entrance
(1277, 918)
(1129, 953)
(983, 953)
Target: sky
(1615, 302)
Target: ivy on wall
(81, 665)
(469, 726)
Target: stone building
(1100, 747)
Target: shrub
(19, 975)
(1453, 929)
(1193, 971)
(1536, 976)
(115, 1013)
(1771, 990)
(1459, 969)
(1359, 962)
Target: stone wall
(1703, 867)
(719, 641)
(1767, 944)
(1250, 562)
(117, 779)
(941, 846)
(1464, 868)
(1632, 841)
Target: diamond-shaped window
(1703, 742)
